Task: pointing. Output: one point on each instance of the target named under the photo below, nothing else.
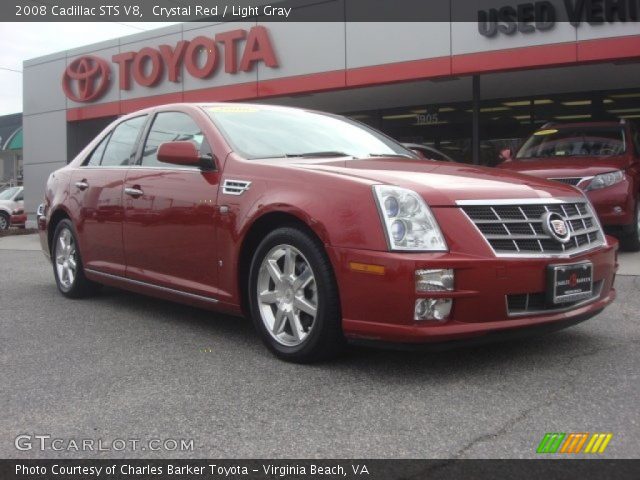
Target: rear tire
(67, 263)
(630, 238)
(293, 297)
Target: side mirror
(183, 153)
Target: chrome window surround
(140, 167)
(597, 227)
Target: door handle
(133, 192)
(82, 185)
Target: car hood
(443, 183)
(565, 167)
(7, 203)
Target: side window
(19, 197)
(122, 142)
(95, 157)
(170, 127)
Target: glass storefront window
(504, 123)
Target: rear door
(170, 212)
(96, 191)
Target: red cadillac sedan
(322, 230)
(602, 159)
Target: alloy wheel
(287, 295)
(4, 224)
(66, 258)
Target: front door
(169, 228)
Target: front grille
(516, 228)
(536, 303)
(569, 181)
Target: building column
(475, 129)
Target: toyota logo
(86, 79)
(556, 227)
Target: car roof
(560, 126)
(200, 105)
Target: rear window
(574, 142)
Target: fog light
(434, 280)
(435, 309)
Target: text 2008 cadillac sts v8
(321, 230)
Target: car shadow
(238, 332)
(173, 312)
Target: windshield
(574, 142)
(271, 132)
(9, 193)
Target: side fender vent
(235, 187)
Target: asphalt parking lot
(123, 366)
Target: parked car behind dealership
(321, 230)
(602, 159)
(12, 208)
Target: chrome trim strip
(139, 167)
(589, 300)
(181, 169)
(572, 254)
(151, 285)
(489, 202)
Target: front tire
(67, 263)
(630, 239)
(293, 297)
(4, 221)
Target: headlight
(408, 221)
(606, 180)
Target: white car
(12, 208)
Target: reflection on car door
(96, 189)
(169, 228)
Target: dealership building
(467, 88)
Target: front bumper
(380, 307)
(18, 220)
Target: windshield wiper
(329, 153)
(401, 155)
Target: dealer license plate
(570, 283)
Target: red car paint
(18, 220)
(624, 194)
(185, 235)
